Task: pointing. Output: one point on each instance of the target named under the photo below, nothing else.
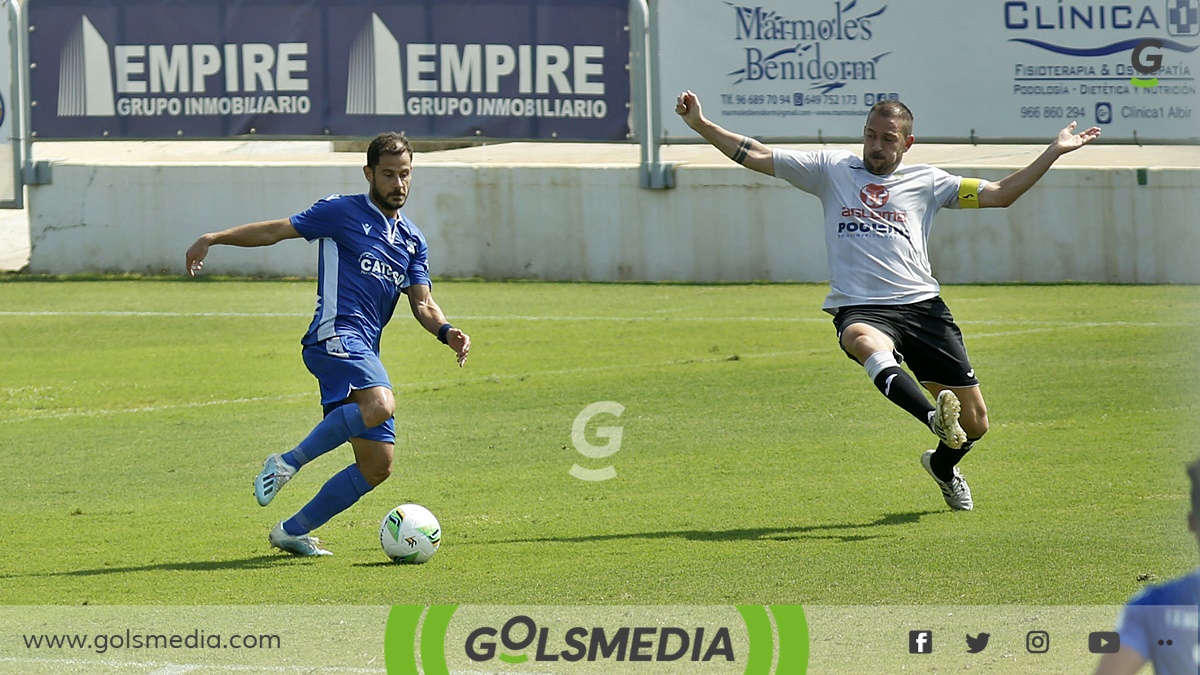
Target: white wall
(584, 221)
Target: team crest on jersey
(369, 264)
(874, 195)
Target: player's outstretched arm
(741, 149)
(1125, 662)
(429, 315)
(1006, 190)
(263, 233)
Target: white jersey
(876, 227)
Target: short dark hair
(1194, 474)
(390, 143)
(892, 109)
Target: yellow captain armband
(968, 193)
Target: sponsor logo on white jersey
(874, 195)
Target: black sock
(900, 388)
(945, 458)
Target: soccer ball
(410, 534)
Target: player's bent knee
(375, 472)
(974, 415)
(374, 459)
(975, 426)
(862, 345)
(374, 416)
(378, 409)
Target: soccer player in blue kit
(370, 253)
(1161, 624)
(885, 301)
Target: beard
(393, 200)
(876, 165)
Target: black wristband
(442, 333)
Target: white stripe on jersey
(329, 289)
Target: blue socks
(339, 426)
(346, 487)
(338, 494)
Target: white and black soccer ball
(410, 534)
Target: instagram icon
(1037, 642)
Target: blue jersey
(1160, 623)
(366, 260)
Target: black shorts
(925, 335)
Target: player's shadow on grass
(753, 533)
(741, 534)
(256, 562)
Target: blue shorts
(342, 365)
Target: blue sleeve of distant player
(322, 220)
(1133, 625)
(418, 267)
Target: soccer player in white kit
(885, 301)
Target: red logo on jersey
(874, 195)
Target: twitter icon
(978, 643)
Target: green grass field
(757, 464)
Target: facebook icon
(920, 642)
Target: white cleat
(944, 420)
(274, 475)
(303, 545)
(956, 493)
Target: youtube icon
(1104, 642)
